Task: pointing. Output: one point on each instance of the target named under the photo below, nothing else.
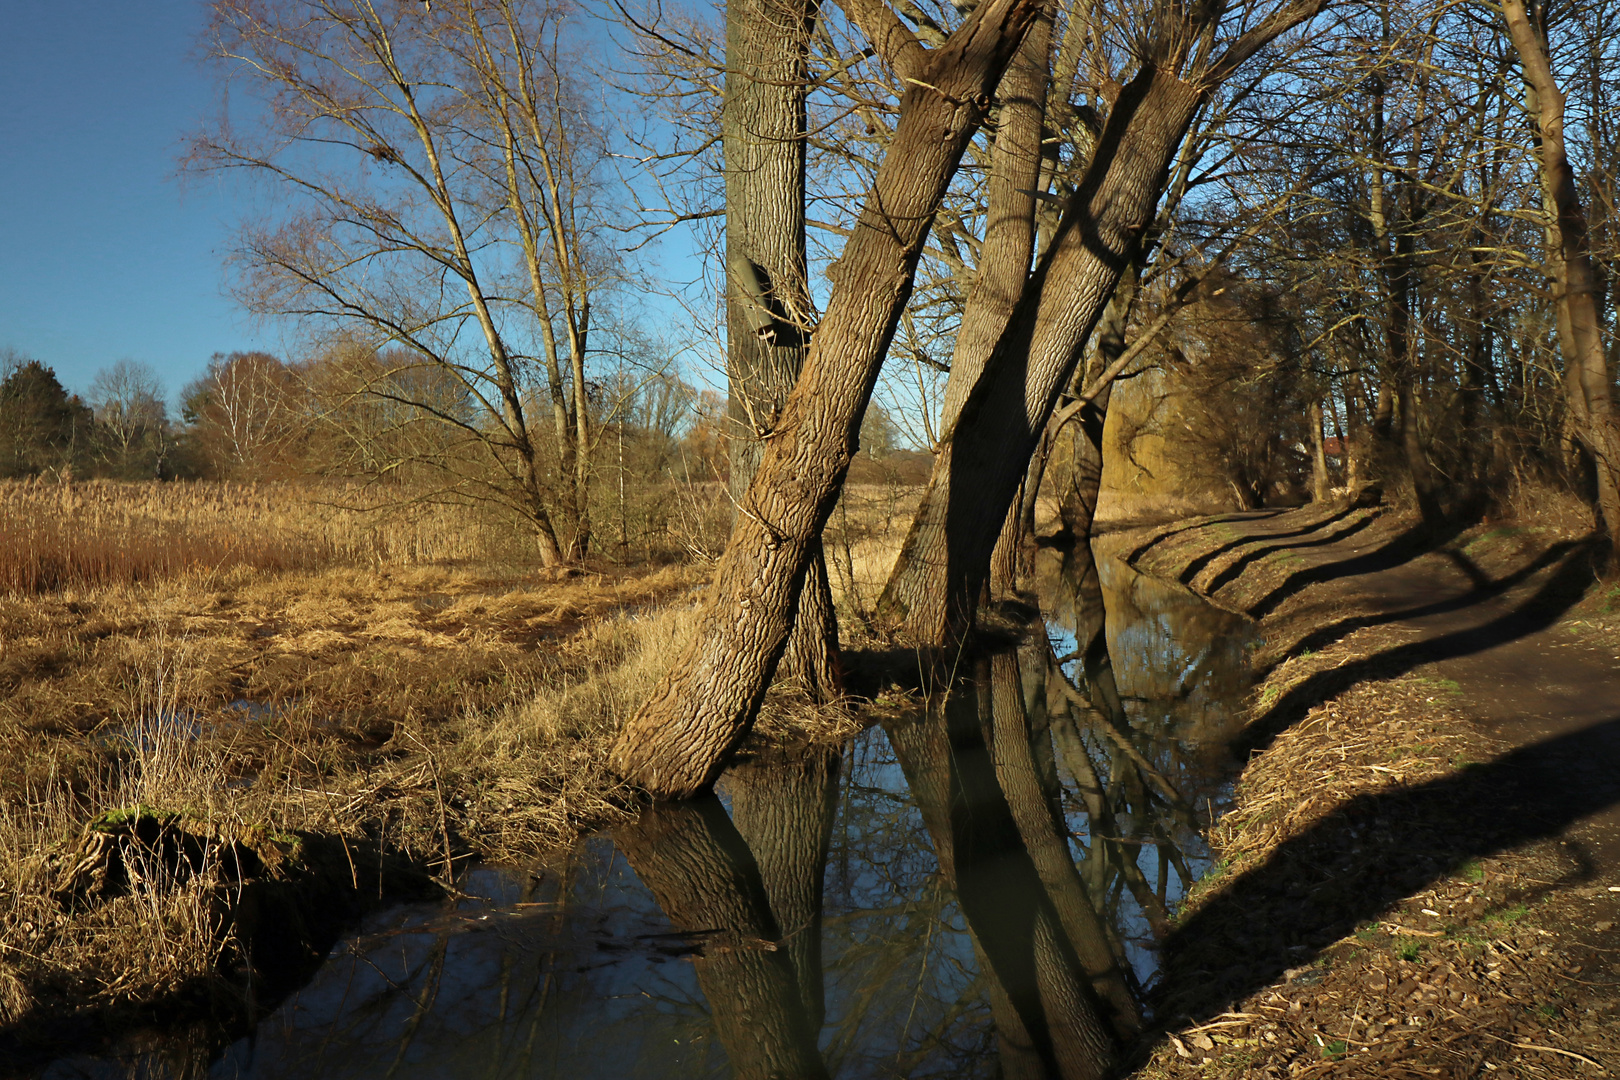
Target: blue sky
(104, 253)
(105, 250)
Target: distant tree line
(388, 419)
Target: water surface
(977, 889)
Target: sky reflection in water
(574, 969)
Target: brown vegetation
(282, 683)
(258, 662)
(55, 535)
(1386, 901)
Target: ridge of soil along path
(1421, 873)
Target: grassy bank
(1385, 903)
(223, 707)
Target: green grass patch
(1439, 686)
(1507, 916)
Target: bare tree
(245, 409)
(1180, 59)
(128, 403)
(439, 174)
(768, 304)
(1588, 380)
(704, 707)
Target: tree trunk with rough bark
(768, 307)
(1580, 328)
(933, 591)
(1009, 230)
(1077, 505)
(675, 746)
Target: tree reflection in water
(973, 890)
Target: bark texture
(933, 591)
(1580, 328)
(768, 308)
(675, 746)
(1077, 505)
(1009, 228)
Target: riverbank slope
(1416, 878)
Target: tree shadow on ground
(1405, 546)
(1243, 561)
(1201, 523)
(1485, 588)
(1562, 589)
(1374, 851)
(1196, 566)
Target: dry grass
(164, 933)
(1377, 910)
(1459, 974)
(55, 536)
(324, 681)
(260, 663)
(861, 541)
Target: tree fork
(704, 707)
(933, 591)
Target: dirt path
(1522, 667)
(1391, 669)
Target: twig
(1548, 1049)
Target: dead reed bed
(861, 543)
(431, 716)
(56, 535)
(264, 673)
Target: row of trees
(1320, 217)
(122, 431)
(1381, 227)
(660, 444)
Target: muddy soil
(1423, 869)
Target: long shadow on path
(1484, 588)
(1401, 548)
(1561, 590)
(1243, 561)
(1376, 850)
(1196, 566)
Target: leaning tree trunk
(704, 877)
(785, 810)
(768, 309)
(1580, 326)
(1009, 241)
(1077, 505)
(933, 590)
(705, 705)
(1009, 230)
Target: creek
(979, 889)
